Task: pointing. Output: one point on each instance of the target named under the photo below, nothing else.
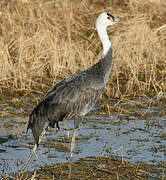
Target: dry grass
(93, 168)
(43, 41)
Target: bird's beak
(118, 21)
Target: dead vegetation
(43, 41)
(93, 168)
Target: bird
(75, 96)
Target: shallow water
(127, 136)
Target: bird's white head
(105, 19)
(102, 22)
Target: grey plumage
(72, 97)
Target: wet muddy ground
(132, 137)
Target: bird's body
(74, 96)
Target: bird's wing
(54, 87)
(70, 97)
(76, 94)
(85, 79)
(59, 84)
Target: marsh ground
(129, 143)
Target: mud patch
(95, 167)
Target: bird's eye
(110, 17)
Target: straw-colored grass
(43, 41)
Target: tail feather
(37, 121)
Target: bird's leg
(33, 151)
(71, 151)
(35, 146)
(68, 132)
(77, 122)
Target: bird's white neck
(102, 32)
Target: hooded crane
(74, 96)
